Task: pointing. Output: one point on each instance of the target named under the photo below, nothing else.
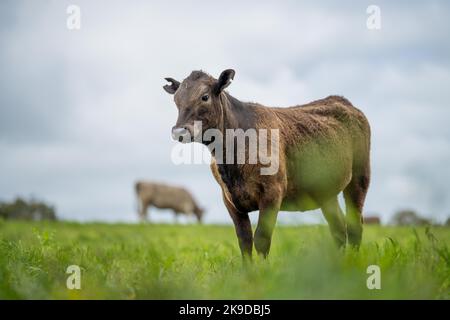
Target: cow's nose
(179, 133)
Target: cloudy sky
(83, 115)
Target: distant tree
(409, 218)
(21, 209)
(447, 223)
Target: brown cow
(323, 148)
(165, 197)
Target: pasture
(158, 261)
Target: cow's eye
(205, 97)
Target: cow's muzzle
(181, 134)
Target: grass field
(203, 262)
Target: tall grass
(203, 262)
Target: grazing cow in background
(165, 197)
(323, 149)
(372, 220)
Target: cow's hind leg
(336, 221)
(355, 194)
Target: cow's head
(198, 98)
(199, 212)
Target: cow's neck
(237, 114)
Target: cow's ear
(172, 87)
(224, 80)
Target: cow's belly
(300, 202)
(312, 181)
(178, 205)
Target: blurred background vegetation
(21, 209)
(36, 210)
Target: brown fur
(324, 149)
(165, 197)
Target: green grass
(203, 262)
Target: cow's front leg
(268, 212)
(143, 211)
(243, 229)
